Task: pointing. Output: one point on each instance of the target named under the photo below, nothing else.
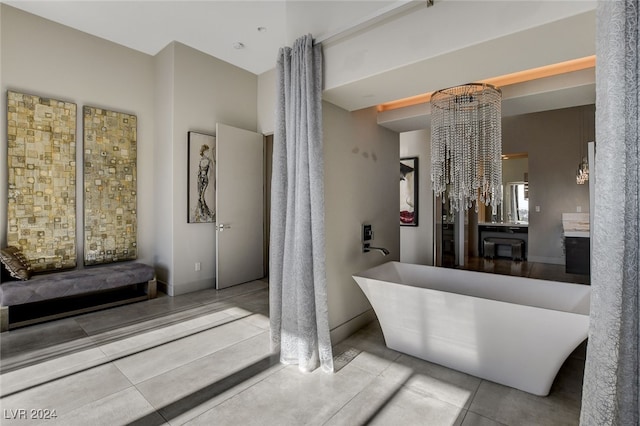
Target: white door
(239, 205)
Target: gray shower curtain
(611, 382)
(297, 280)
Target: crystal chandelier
(582, 174)
(466, 144)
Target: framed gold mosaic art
(41, 160)
(110, 192)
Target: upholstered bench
(516, 245)
(65, 284)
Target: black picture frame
(201, 178)
(409, 173)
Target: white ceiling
(375, 50)
(211, 26)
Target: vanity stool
(516, 246)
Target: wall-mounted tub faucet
(366, 248)
(367, 235)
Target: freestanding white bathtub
(510, 330)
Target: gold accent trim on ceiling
(505, 80)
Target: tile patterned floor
(203, 359)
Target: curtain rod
(386, 12)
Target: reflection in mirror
(516, 202)
(515, 190)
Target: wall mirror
(515, 190)
(515, 202)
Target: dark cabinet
(577, 255)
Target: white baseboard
(347, 328)
(184, 288)
(337, 334)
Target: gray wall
(178, 90)
(43, 58)
(267, 102)
(3, 146)
(163, 158)
(513, 169)
(552, 140)
(416, 243)
(361, 186)
(207, 91)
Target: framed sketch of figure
(201, 179)
(409, 191)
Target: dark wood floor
(543, 271)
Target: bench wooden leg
(517, 252)
(152, 289)
(4, 319)
(489, 249)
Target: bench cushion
(15, 263)
(68, 283)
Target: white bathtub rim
(369, 275)
(478, 297)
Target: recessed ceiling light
(238, 45)
(262, 29)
